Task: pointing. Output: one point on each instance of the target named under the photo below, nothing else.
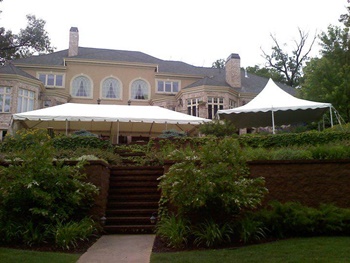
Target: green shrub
(292, 139)
(24, 139)
(291, 153)
(172, 134)
(219, 177)
(330, 151)
(68, 234)
(34, 188)
(75, 142)
(292, 219)
(249, 229)
(219, 128)
(174, 230)
(106, 155)
(212, 234)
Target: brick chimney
(73, 41)
(233, 70)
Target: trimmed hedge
(292, 139)
(75, 142)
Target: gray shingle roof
(210, 76)
(13, 70)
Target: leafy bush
(219, 177)
(106, 155)
(212, 234)
(172, 134)
(24, 139)
(75, 142)
(291, 153)
(293, 219)
(219, 128)
(84, 133)
(330, 151)
(175, 230)
(35, 193)
(249, 229)
(68, 234)
(292, 139)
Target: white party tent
(111, 120)
(273, 106)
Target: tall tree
(327, 78)
(33, 39)
(220, 63)
(290, 64)
(267, 73)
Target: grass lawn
(27, 256)
(319, 249)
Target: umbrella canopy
(113, 119)
(273, 106)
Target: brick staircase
(133, 198)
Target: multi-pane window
(51, 79)
(139, 90)
(232, 104)
(192, 107)
(25, 100)
(214, 104)
(166, 86)
(5, 99)
(81, 87)
(111, 89)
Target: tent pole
(66, 127)
(330, 112)
(273, 122)
(118, 132)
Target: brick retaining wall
(309, 182)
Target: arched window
(81, 87)
(111, 89)
(139, 90)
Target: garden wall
(309, 182)
(98, 173)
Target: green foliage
(292, 139)
(24, 139)
(95, 153)
(330, 151)
(212, 234)
(172, 134)
(68, 234)
(175, 230)
(36, 193)
(216, 183)
(32, 39)
(250, 229)
(293, 219)
(218, 128)
(75, 142)
(291, 153)
(84, 133)
(267, 73)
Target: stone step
(129, 229)
(134, 212)
(132, 204)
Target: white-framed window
(168, 86)
(81, 87)
(111, 89)
(192, 107)
(232, 104)
(214, 104)
(25, 100)
(5, 99)
(139, 90)
(53, 80)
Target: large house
(94, 75)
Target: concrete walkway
(120, 248)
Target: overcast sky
(197, 32)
